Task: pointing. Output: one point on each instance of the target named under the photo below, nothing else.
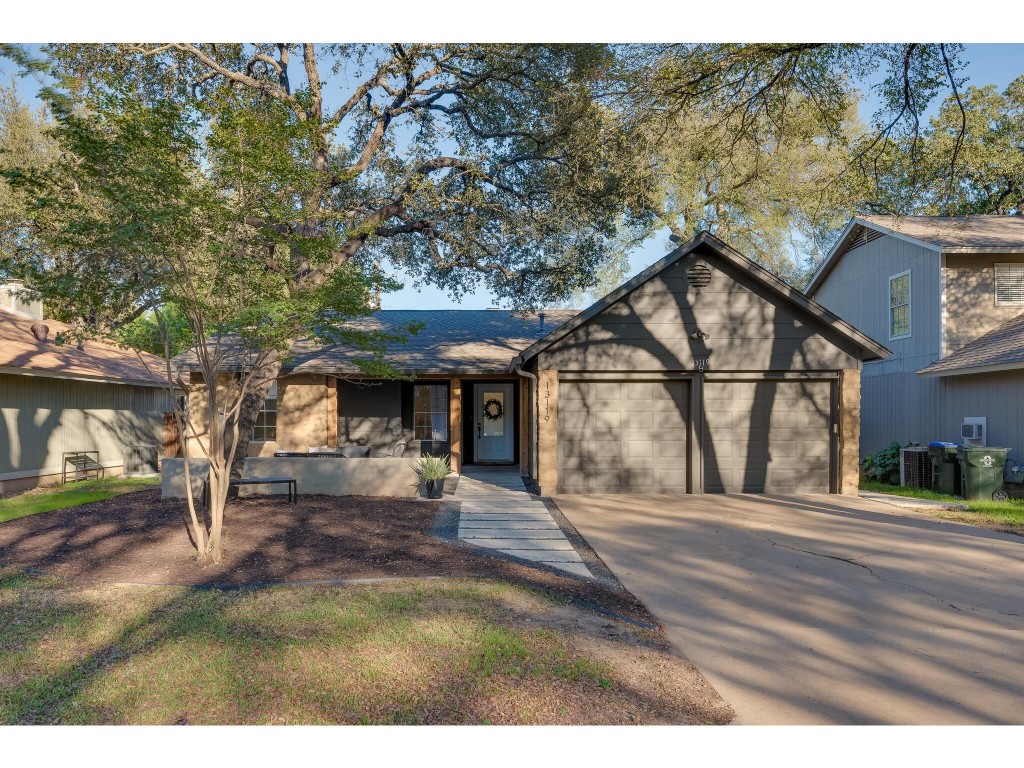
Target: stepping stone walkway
(498, 513)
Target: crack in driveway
(853, 561)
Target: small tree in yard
(153, 215)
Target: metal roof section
(872, 349)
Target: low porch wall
(331, 477)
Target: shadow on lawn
(432, 653)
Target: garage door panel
(643, 391)
(671, 449)
(622, 437)
(768, 436)
(640, 449)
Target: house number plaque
(547, 401)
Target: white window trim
(995, 283)
(910, 305)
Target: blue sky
(987, 63)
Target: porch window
(899, 305)
(265, 428)
(430, 412)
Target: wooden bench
(83, 465)
(291, 482)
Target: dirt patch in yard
(142, 539)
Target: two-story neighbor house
(946, 295)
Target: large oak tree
(456, 164)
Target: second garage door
(622, 437)
(767, 437)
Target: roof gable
(940, 234)
(711, 245)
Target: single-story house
(58, 398)
(703, 373)
(947, 295)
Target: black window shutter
(407, 404)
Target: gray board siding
(897, 405)
(999, 397)
(922, 409)
(748, 330)
(857, 290)
(41, 417)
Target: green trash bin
(947, 467)
(982, 471)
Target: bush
(433, 468)
(883, 466)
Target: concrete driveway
(825, 609)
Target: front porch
(475, 420)
(382, 427)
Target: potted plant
(432, 471)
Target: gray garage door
(622, 437)
(767, 437)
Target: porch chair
(395, 453)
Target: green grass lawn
(71, 495)
(404, 652)
(998, 513)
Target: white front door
(492, 413)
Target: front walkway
(497, 512)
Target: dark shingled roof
(1000, 349)
(452, 341)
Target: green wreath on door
(493, 410)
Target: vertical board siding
(40, 418)
(997, 397)
(857, 290)
(897, 405)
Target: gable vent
(699, 276)
(1009, 284)
(863, 237)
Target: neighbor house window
(1009, 284)
(265, 428)
(430, 412)
(899, 305)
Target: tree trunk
(252, 403)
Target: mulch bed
(141, 539)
